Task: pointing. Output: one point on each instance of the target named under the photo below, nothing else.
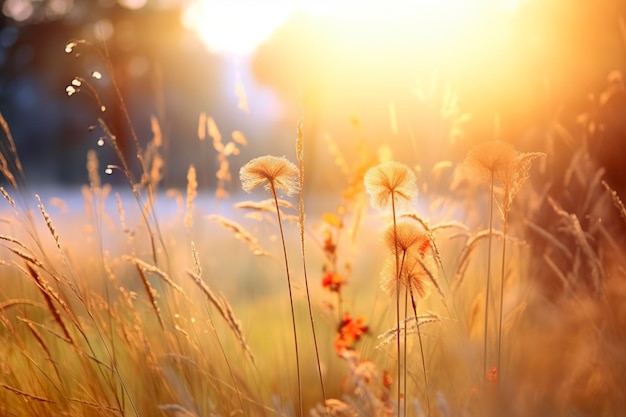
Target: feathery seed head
(417, 271)
(509, 167)
(270, 171)
(517, 174)
(489, 158)
(390, 180)
(407, 235)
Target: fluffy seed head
(270, 171)
(406, 235)
(509, 168)
(489, 158)
(390, 180)
(417, 271)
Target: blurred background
(426, 79)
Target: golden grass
(126, 317)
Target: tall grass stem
(293, 315)
(488, 287)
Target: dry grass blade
(151, 268)
(44, 346)
(431, 276)
(12, 148)
(6, 171)
(566, 282)
(97, 406)
(265, 205)
(240, 234)
(617, 202)
(592, 186)
(121, 213)
(239, 137)
(14, 240)
(202, 126)
(225, 311)
(192, 193)
(93, 167)
(430, 233)
(215, 134)
(572, 226)
(151, 293)
(467, 250)
(574, 169)
(301, 227)
(235, 326)
(551, 238)
(48, 220)
(177, 410)
(118, 151)
(450, 225)
(197, 269)
(411, 327)
(8, 198)
(55, 334)
(26, 395)
(16, 302)
(609, 238)
(50, 296)
(27, 257)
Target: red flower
(349, 332)
(332, 281)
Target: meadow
(487, 286)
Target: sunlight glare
(235, 26)
(239, 26)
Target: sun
(235, 26)
(239, 26)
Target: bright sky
(239, 26)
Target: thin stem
(419, 336)
(308, 298)
(225, 356)
(406, 308)
(488, 289)
(504, 232)
(395, 234)
(293, 315)
(303, 253)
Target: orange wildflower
(349, 332)
(332, 281)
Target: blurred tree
(149, 52)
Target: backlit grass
(141, 301)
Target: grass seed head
(487, 159)
(390, 180)
(406, 235)
(416, 273)
(270, 171)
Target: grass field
(471, 290)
